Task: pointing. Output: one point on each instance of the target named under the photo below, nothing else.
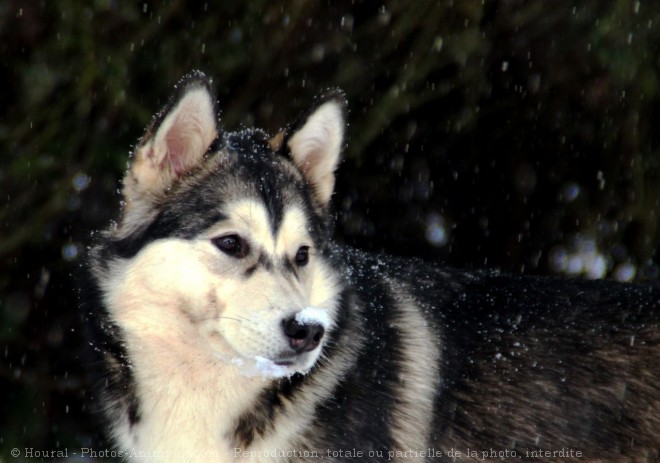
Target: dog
(226, 325)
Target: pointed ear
(315, 144)
(174, 143)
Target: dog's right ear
(174, 144)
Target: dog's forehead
(248, 157)
(248, 141)
(251, 216)
(249, 169)
(229, 181)
(258, 191)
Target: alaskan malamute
(227, 326)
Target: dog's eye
(302, 256)
(232, 245)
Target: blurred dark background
(513, 134)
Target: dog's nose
(303, 337)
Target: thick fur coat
(227, 326)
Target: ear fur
(174, 143)
(316, 141)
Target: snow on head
(266, 367)
(260, 366)
(313, 316)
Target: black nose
(303, 337)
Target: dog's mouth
(261, 366)
(281, 367)
(284, 362)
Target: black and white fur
(227, 326)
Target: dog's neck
(189, 396)
(188, 399)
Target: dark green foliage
(513, 134)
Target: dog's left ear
(174, 144)
(316, 141)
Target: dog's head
(223, 236)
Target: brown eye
(232, 245)
(302, 256)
